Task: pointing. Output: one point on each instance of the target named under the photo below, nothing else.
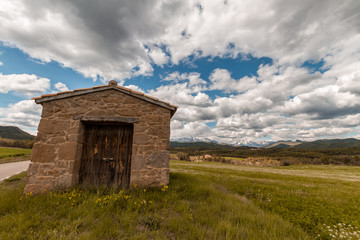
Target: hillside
(318, 144)
(14, 133)
(280, 145)
(329, 144)
(283, 144)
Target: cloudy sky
(244, 70)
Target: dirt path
(9, 169)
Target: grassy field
(323, 200)
(14, 154)
(203, 201)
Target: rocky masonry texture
(56, 156)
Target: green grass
(203, 201)
(315, 198)
(192, 207)
(235, 158)
(14, 154)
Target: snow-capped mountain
(238, 143)
(247, 143)
(192, 139)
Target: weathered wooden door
(106, 155)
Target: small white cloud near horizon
(24, 114)
(135, 88)
(61, 87)
(26, 84)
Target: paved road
(9, 169)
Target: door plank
(106, 155)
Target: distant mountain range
(252, 144)
(14, 133)
(240, 143)
(318, 144)
(192, 139)
(283, 144)
(329, 143)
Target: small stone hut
(105, 135)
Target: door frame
(109, 121)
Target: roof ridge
(111, 85)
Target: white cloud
(135, 88)
(61, 87)
(194, 79)
(1, 64)
(184, 93)
(122, 39)
(350, 83)
(325, 102)
(287, 103)
(105, 38)
(109, 38)
(192, 129)
(221, 80)
(158, 56)
(29, 85)
(24, 114)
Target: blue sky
(240, 71)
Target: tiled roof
(112, 85)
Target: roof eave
(78, 92)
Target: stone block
(78, 110)
(158, 159)
(64, 180)
(155, 120)
(53, 126)
(46, 169)
(33, 169)
(138, 128)
(135, 175)
(54, 139)
(68, 150)
(74, 138)
(141, 139)
(47, 110)
(47, 180)
(164, 132)
(38, 188)
(73, 130)
(96, 112)
(93, 98)
(131, 100)
(137, 162)
(43, 153)
(165, 176)
(111, 99)
(63, 164)
(125, 113)
(75, 166)
(63, 115)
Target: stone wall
(56, 156)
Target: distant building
(105, 135)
